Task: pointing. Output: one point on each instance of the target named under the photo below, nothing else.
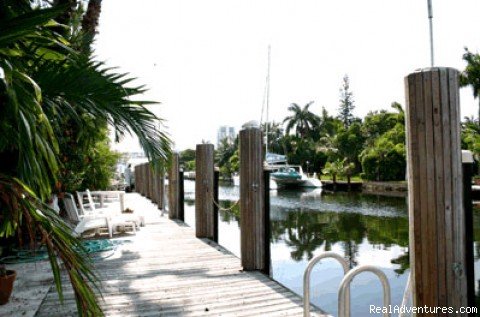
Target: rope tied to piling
(220, 207)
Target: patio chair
(114, 213)
(87, 221)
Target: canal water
(365, 229)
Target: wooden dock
(165, 271)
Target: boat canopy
(272, 158)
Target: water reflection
(365, 229)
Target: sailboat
(282, 174)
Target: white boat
(293, 176)
(236, 182)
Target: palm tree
(333, 168)
(46, 87)
(471, 75)
(275, 135)
(303, 120)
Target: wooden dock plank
(165, 271)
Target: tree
(223, 155)
(346, 103)
(275, 135)
(303, 120)
(51, 92)
(187, 159)
(471, 75)
(349, 143)
(333, 168)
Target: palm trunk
(90, 20)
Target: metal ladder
(344, 289)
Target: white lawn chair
(113, 212)
(88, 221)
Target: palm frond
(19, 203)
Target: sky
(206, 61)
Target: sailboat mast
(430, 17)
(267, 95)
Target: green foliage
(101, 169)
(223, 156)
(346, 103)
(275, 137)
(334, 168)
(303, 120)
(349, 143)
(187, 155)
(385, 161)
(187, 159)
(55, 102)
(471, 75)
(22, 211)
(384, 158)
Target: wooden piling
(135, 172)
(181, 196)
(173, 187)
(252, 205)
(216, 177)
(467, 171)
(144, 179)
(139, 177)
(154, 186)
(437, 228)
(204, 220)
(161, 204)
(267, 255)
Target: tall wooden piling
(144, 179)
(467, 170)
(161, 204)
(252, 204)
(437, 228)
(137, 177)
(154, 186)
(173, 188)
(216, 177)
(181, 196)
(204, 215)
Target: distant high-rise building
(225, 132)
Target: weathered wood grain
(204, 195)
(173, 187)
(437, 229)
(252, 204)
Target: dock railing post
(216, 176)
(204, 167)
(148, 181)
(173, 188)
(144, 179)
(140, 179)
(161, 191)
(266, 181)
(135, 172)
(181, 196)
(467, 168)
(252, 204)
(436, 208)
(154, 186)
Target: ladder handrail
(308, 271)
(344, 290)
(406, 295)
